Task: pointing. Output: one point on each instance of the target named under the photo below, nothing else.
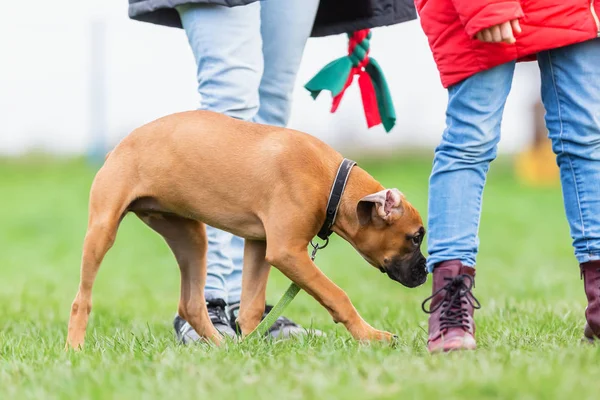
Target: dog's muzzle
(410, 273)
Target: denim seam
(566, 154)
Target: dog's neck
(346, 223)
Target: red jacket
(451, 25)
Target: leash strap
(333, 204)
(335, 196)
(276, 312)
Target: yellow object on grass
(537, 166)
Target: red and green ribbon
(339, 74)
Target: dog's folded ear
(385, 205)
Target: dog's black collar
(335, 196)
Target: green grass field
(528, 330)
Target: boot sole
(588, 335)
(458, 344)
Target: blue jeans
(571, 95)
(247, 58)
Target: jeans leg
(227, 46)
(233, 281)
(571, 96)
(285, 27)
(461, 162)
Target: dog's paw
(370, 334)
(73, 346)
(383, 336)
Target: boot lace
(458, 294)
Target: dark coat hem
(365, 23)
(167, 15)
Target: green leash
(276, 312)
(285, 300)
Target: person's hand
(504, 32)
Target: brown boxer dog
(266, 184)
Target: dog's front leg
(295, 263)
(255, 274)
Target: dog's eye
(416, 240)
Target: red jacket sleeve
(476, 15)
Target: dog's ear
(385, 204)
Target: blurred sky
(49, 88)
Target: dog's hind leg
(187, 239)
(107, 206)
(255, 274)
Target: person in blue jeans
(482, 40)
(247, 54)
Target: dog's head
(390, 236)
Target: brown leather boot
(451, 325)
(590, 271)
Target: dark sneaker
(283, 328)
(590, 272)
(451, 325)
(216, 311)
